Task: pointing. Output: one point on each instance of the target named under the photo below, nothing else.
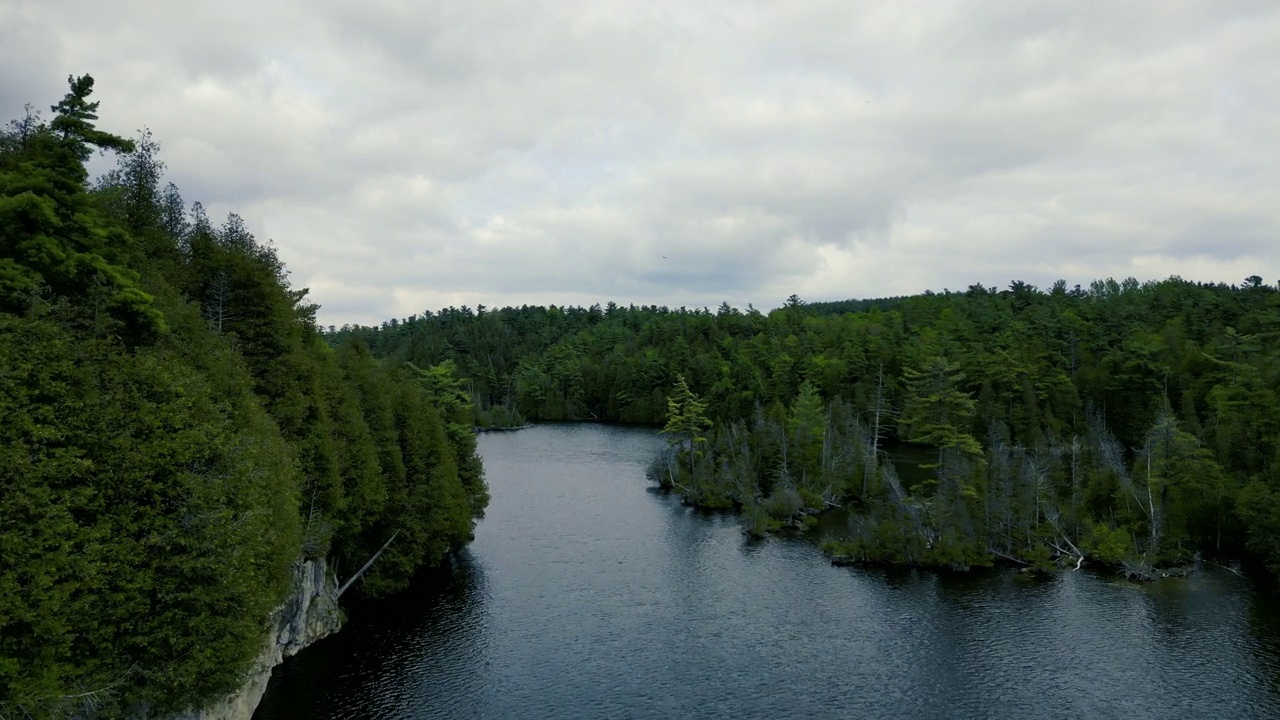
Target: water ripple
(585, 595)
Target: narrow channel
(587, 594)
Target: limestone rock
(309, 614)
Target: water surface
(587, 594)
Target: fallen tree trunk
(338, 593)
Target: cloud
(407, 156)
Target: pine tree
(50, 236)
(807, 428)
(938, 413)
(686, 420)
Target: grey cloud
(409, 155)
(25, 50)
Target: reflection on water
(587, 595)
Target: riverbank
(512, 428)
(588, 594)
(817, 524)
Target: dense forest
(1130, 424)
(177, 434)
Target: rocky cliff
(310, 613)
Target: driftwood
(1010, 558)
(338, 593)
(1138, 571)
(1224, 567)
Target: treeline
(176, 434)
(1131, 423)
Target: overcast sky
(409, 155)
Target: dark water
(588, 595)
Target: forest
(177, 434)
(178, 431)
(1128, 424)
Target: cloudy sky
(410, 155)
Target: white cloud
(408, 155)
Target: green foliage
(937, 413)
(1040, 559)
(74, 121)
(807, 429)
(686, 420)
(1037, 409)
(1107, 544)
(759, 521)
(177, 435)
(1259, 507)
(51, 237)
(499, 417)
(142, 504)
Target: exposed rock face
(309, 614)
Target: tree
(166, 455)
(50, 234)
(938, 413)
(1067, 383)
(74, 120)
(686, 420)
(807, 428)
(1186, 493)
(880, 411)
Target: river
(587, 594)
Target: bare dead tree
(880, 410)
(217, 306)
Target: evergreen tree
(50, 234)
(686, 420)
(177, 435)
(938, 413)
